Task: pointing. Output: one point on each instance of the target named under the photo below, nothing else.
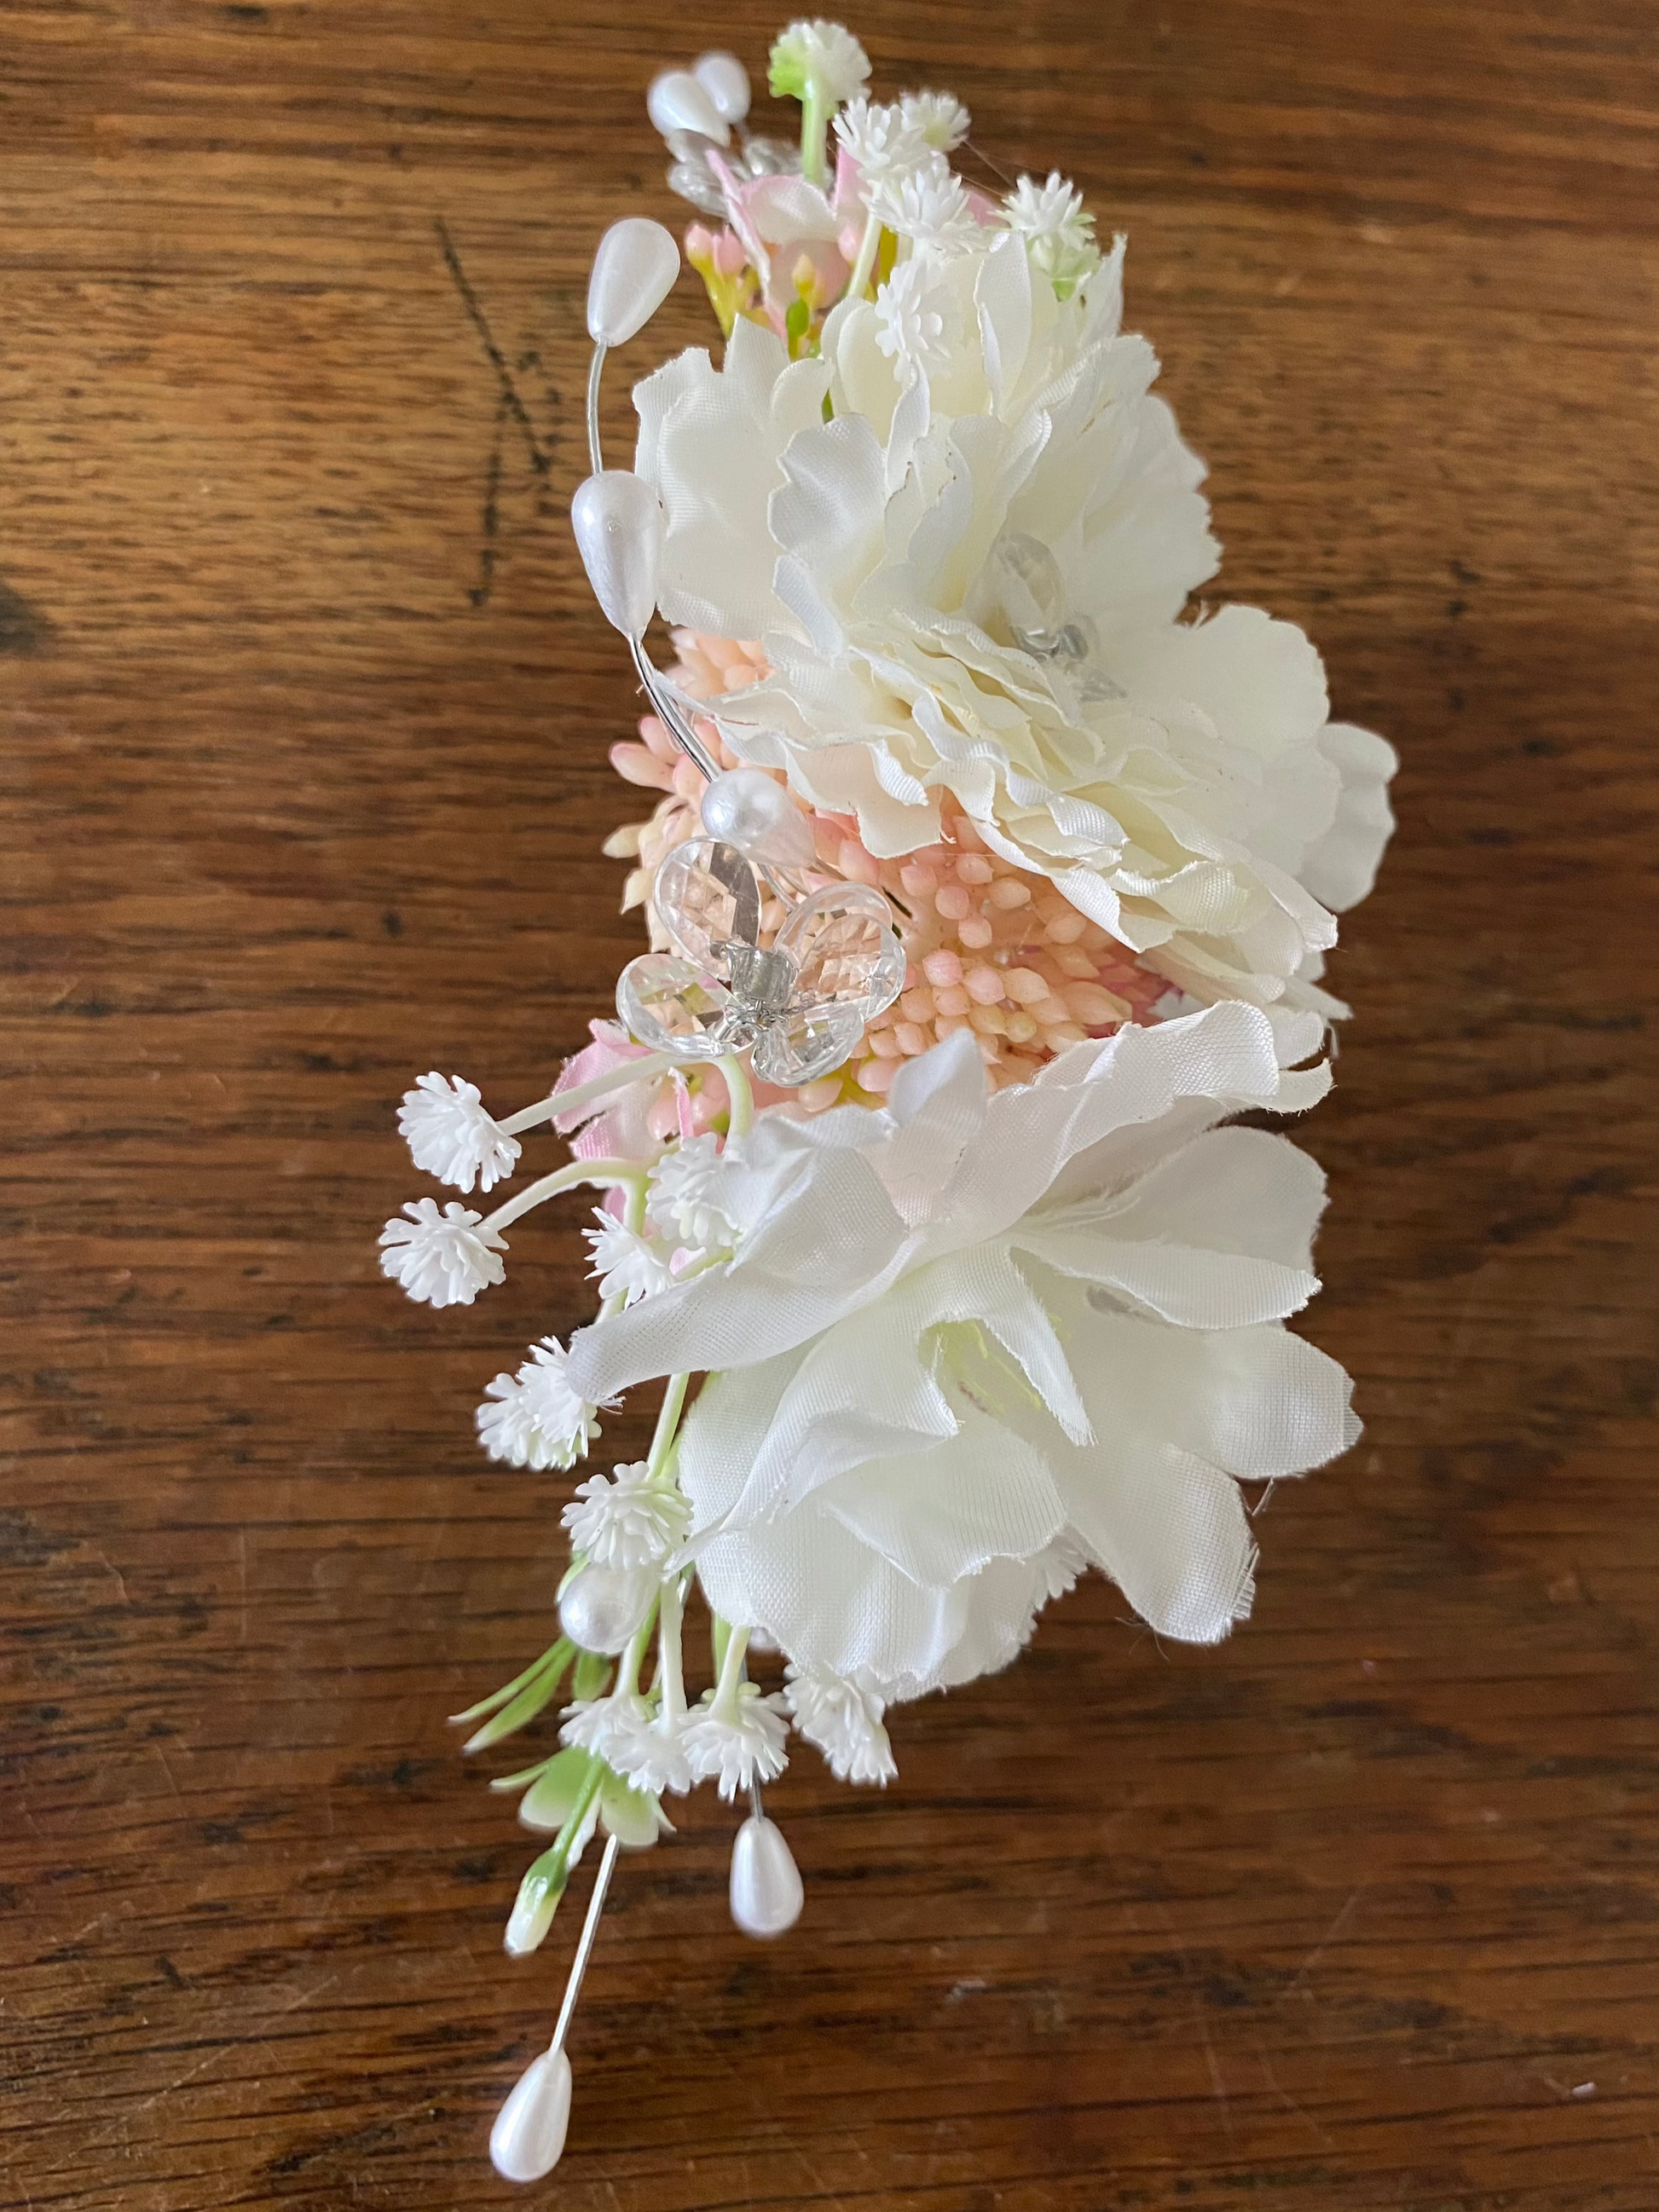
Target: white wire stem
(584, 1948)
(558, 1103)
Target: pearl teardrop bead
(726, 81)
(602, 1608)
(618, 529)
(676, 101)
(746, 808)
(766, 1892)
(527, 2140)
(634, 272)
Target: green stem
(742, 1117)
(668, 1421)
(860, 280)
(814, 122)
(553, 1867)
(535, 1697)
(725, 1689)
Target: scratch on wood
(540, 460)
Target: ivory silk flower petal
(967, 581)
(1060, 1343)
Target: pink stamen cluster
(992, 947)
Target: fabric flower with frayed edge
(842, 1715)
(535, 1418)
(967, 585)
(441, 1259)
(451, 1135)
(738, 1740)
(624, 1520)
(626, 1264)
(974, 1339)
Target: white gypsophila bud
(842, 1715)
(738, 1742)
(940, 116)
(930, 207)
(819, 59)
(441, 1259)
(624, 1520)
(627, 1265)
(686, 1188)
(451, 1136)
(650, 1758)
(534, 1419)
(880, 140)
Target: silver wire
(584, 1949)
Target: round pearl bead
(746, 808)
(603, 1608)
(766, 1892)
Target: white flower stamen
(842, 1715)
(1059, 236)
(623, 1520)
(627, 1265)
(930, 207)
(882, 141)
(820, 58)
(441, 1259)
(911, 330)
(534, 1419)
(685, 1195)
(940, 116)
(450, 1135)
(737, 1739)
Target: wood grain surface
(306, 715)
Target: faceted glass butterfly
(801, 1002)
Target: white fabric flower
(684, 1195)
(535, 1418)
(930, 207)
(882, 141)
(623, 1520)
(842, 1715)
(910, 327)
(940, 116)
(737, 1741)
(441, 1259)
(973, 1338)
(627, 1265)
(970, 580)
(451, 1136)
(820, 57)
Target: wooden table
(307, 713)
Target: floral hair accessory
(984, 887)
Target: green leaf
(539, 1693)
(556, 1654)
